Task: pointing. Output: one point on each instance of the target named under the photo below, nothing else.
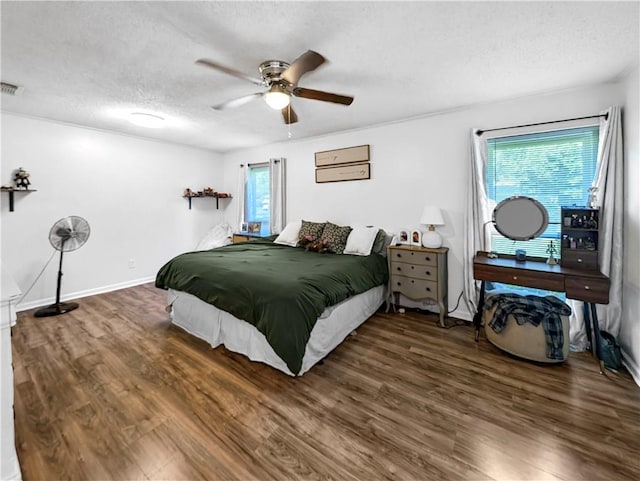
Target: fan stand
(59, 307)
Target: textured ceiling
(90, 63)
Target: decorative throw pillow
(311, 230)
(382, 241)
(289, 235)
(360, 241)
(335, 237)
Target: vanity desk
(587, 285)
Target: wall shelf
(216, 196)
(11, 191)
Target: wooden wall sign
(349, 155)
(343, 172)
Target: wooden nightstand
(418, 273)
(244, 236)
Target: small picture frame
(254, 227)
(416, 237)
(404, 237)
(244, 227)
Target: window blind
(556, 168)
(257, 197)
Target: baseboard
(631, 366)
(25, 306)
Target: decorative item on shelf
(521, 255)
(551, 250)
(593, 197)
(209, 192)
(431, 217)
(21, 179)
(187, 192)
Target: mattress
(218, 327)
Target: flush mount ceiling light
(146, 120)
(277, 97)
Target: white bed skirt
(218, 327)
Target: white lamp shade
(431, 215)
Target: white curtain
(277, 205)
(477, 217)
(610, 183)
(242, 188)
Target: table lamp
(431, 217)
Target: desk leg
(591, 319)
(596, 336)
(587, 325)
(477, 319)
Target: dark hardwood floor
(114, 391)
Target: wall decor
(348, 155)
(342, 173)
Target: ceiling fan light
(146, 120)
(277, 98)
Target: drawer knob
(428, 289)
(412, 267)
(399, 283)
(412, 281)
(579, 259)
(399, 268)
(587, 288)
(428, 273)
(427, 258)
(515, 278)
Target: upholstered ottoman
(524, 340)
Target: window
(555, 168)
(257, 208)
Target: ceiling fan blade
(229, 71)
(323, 96)
(237, 102)
(289, 115)
(306, 62)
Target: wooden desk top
(582, 284)
(533, 264)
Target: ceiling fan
(281, 79)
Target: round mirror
(520, 218)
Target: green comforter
(281, 290)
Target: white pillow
(360, 241)
(219, 235)
(289, 235)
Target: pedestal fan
(66, 235)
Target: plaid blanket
(534, 309)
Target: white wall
(413, 163)
(129, 189)
(630, 328)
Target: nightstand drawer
(414, 288)
(429, 273)
(414, 257)
(588, 289)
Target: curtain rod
(606, 116)
(261, 163)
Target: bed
(281, 305)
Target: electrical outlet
(132, 264)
